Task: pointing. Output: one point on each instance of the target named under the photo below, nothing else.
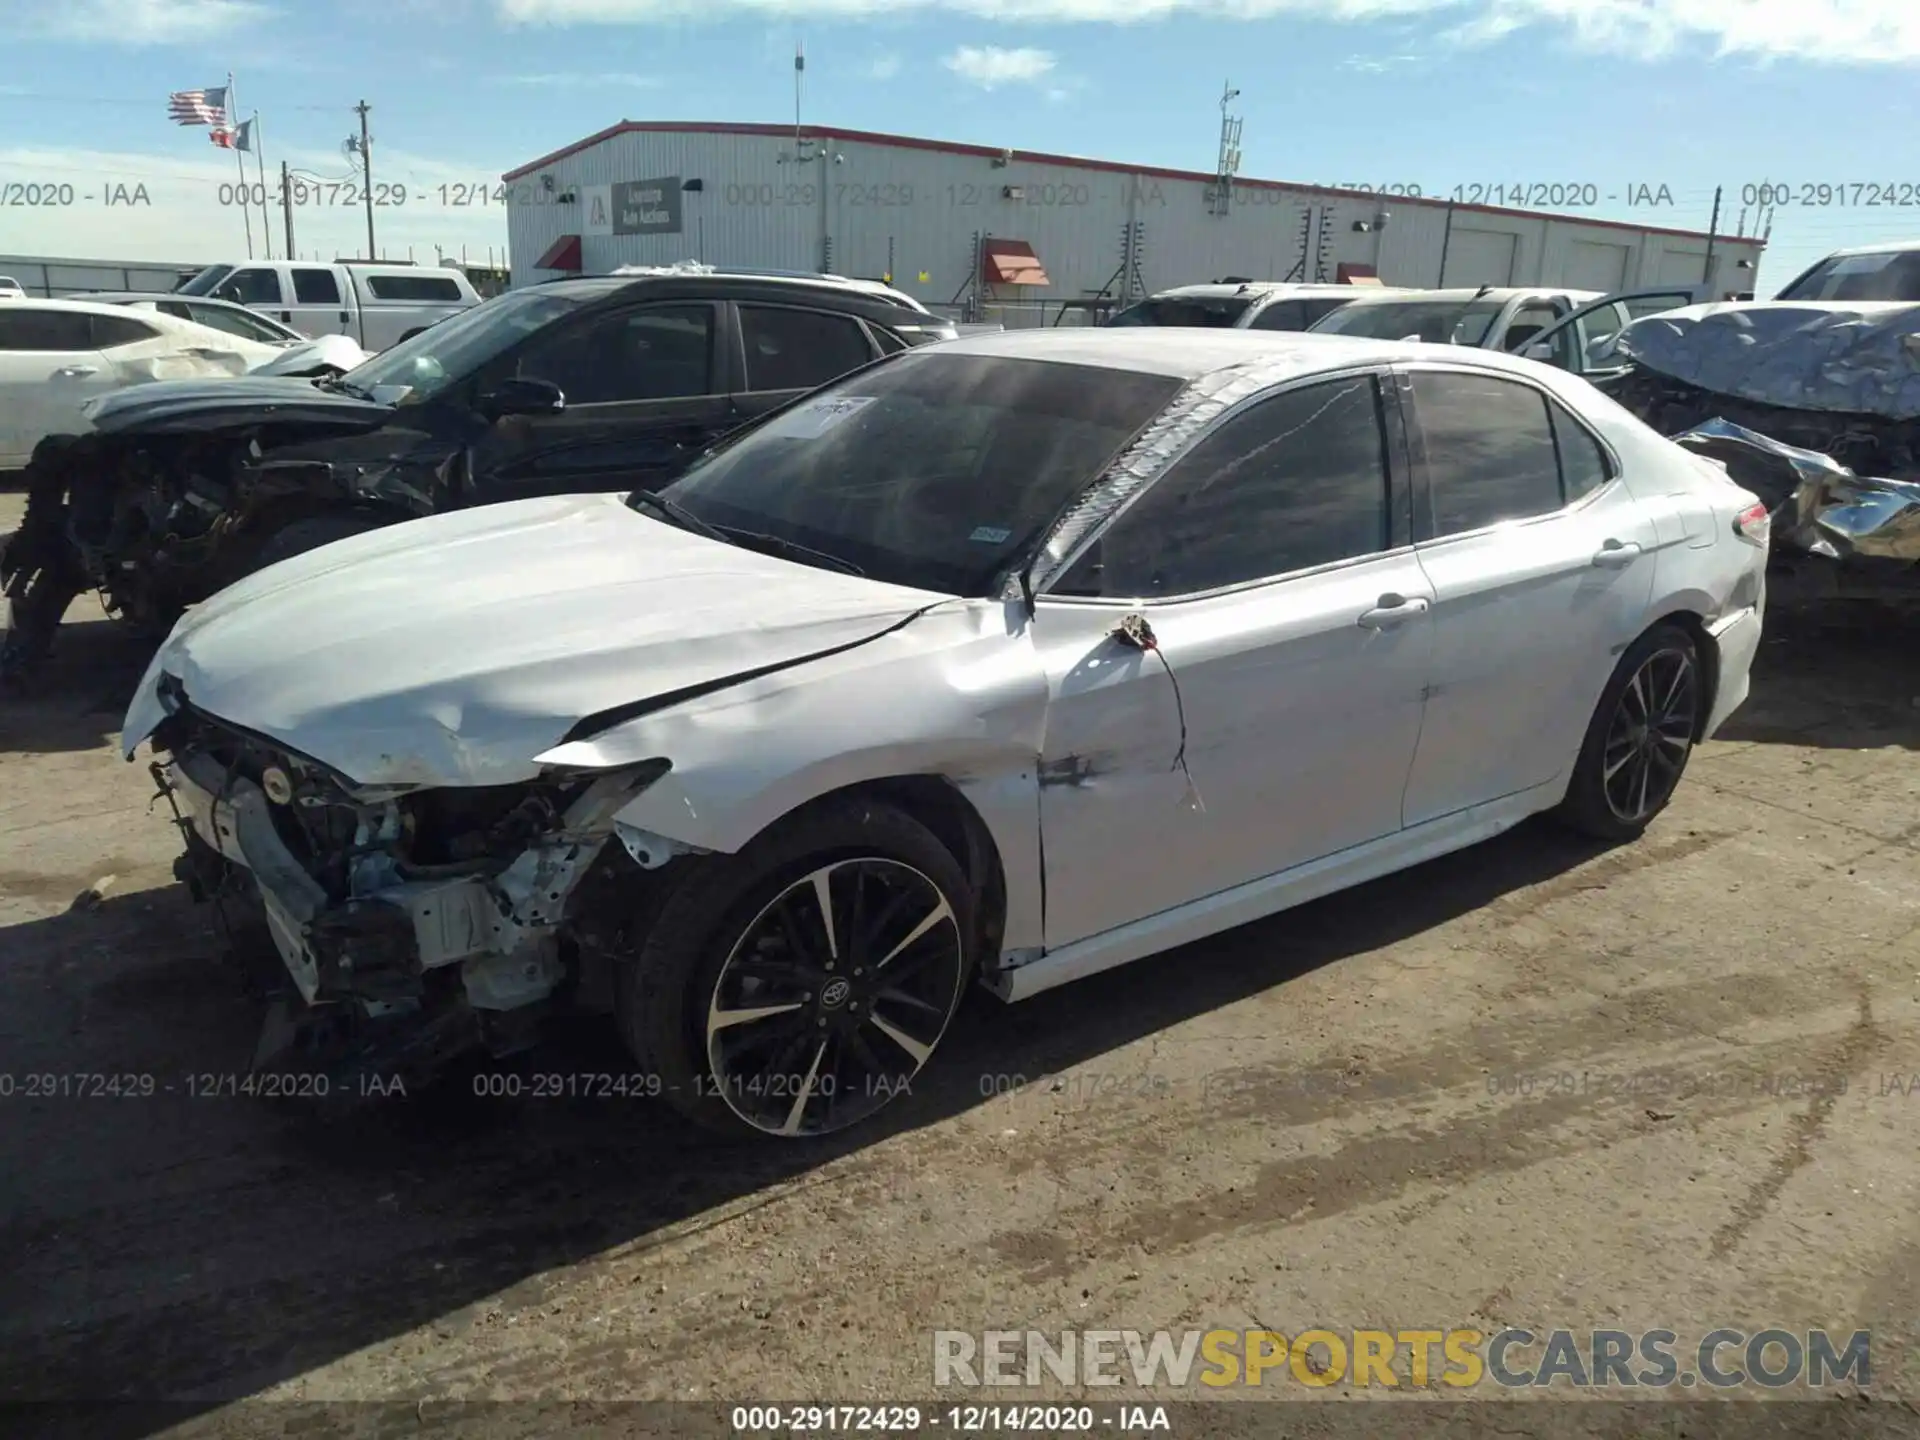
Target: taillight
(1754, 526)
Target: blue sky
(1686, 94)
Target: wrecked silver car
(1024, 657)
(1813, 404)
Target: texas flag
(240, 139)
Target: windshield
(1437, 322)
(462, 343)
(203, 283)
(1884, 275)
(1203, 312)
(931, 470)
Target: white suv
(1244, 305)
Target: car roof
(121, 297)
(83, 307)
(1262, 288)
(815, 279)
(1192, 354)
(1885, 247)
(1462, 294)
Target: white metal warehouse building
(1001, 233)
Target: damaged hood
(317, 356)
(208, 405)
(453, 650)
(1859, 357)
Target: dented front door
(1283, 733)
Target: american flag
(199, 107)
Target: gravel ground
(1536, 1084)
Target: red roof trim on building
(1040, 157)
(563, 254)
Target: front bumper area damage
(1819, 506)
(412, 924)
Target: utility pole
(286, 205)
(366, 169)
(1712, 226)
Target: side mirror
(522, 395)
(1539, 352)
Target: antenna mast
(1229, 165)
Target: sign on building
(647, 207)
(596, 209)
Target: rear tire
(1640, 738)
(832, 1043)
(310, 534)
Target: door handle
(74, 372)
(1394, 610)
(1616, 555)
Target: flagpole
(260, 165)
(246, 201)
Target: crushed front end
(412, 924)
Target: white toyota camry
(1016, 658)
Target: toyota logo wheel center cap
(835, 994)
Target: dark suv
(610, 383)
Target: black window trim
(1421, 472)
(1399, 497)
(743, 380)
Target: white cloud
(579, 80)
(989, 66)
(138, 22)
(1377, 64)
(1843, 31)
(884, 67)
(189, 211)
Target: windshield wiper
(792, 549)
(677, 514)
(346, 387)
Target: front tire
(796, 989)
(1640, 738)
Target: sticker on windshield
(816, 417)
(990, 535)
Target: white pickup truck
(376, 305)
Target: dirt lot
(1534, 1084)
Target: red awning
(1010, 262)
(1349, 273)
(563, 254)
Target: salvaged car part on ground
(1818, 505)
(887, 691)
(581, 385)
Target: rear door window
(112, 331)
(790, 349)
(1490, 451)
(315, 285)
(27, 328)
